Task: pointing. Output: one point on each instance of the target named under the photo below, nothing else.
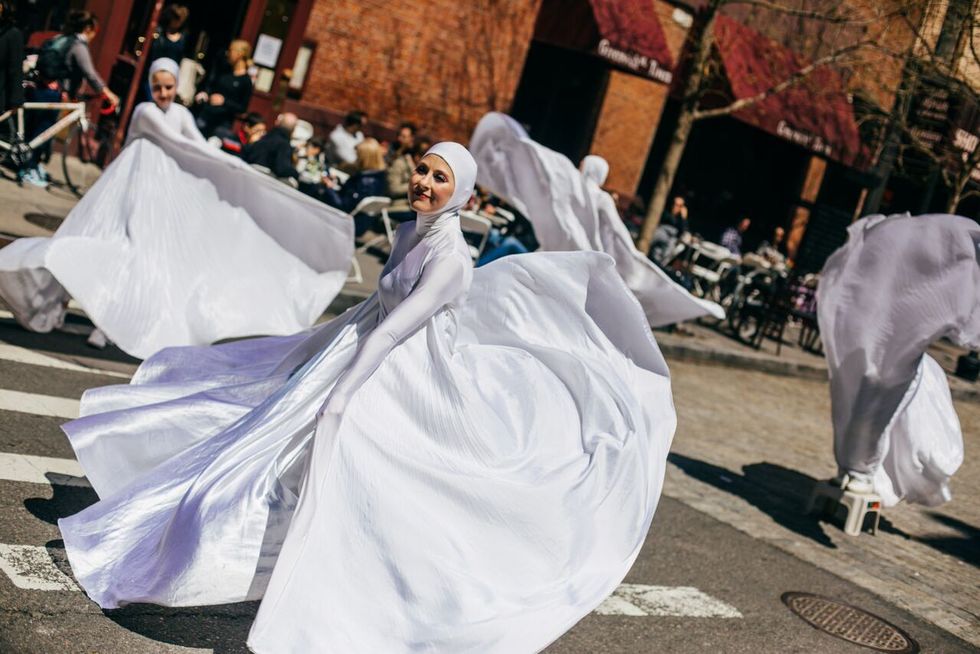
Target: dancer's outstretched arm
(442, 281)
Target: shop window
(269, 44)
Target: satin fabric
(898, 284)
(570, 212)
(179, 244)
(490, 484)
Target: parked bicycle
(74, 131)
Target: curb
(959, 389)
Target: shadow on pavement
(48, 221)
(965, 548)
(779, 492)
(223, 629)
(58, 342)
(64, 501)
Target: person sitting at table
(274, 151)
(368, 180)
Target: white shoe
(858, 483)
(33, 177)
(97, 339)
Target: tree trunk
(957, 192)
(678, 142)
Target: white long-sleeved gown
(570, 212)
(898, 284)
(180, 244)
(487, 486)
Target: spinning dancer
(179, 244)
(468, 461)
(569, 211)
(898, 284)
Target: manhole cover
(850, 623)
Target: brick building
(586, 76)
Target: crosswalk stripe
(31, 568)
(37, 404)
(41, 470)
(17, 354)
(639, 600)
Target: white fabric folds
(486, 488)
(898, 284)
(570, 212)
(179, 244)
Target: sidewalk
(698, 343)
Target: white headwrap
(461, 162)
(165, 64)
(595, 168)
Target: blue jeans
(499, 246)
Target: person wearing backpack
(63, 63)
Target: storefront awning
(814, 113)
(624, 32)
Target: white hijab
(595, 168)
(461, 162)
(164, 64)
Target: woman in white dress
(476, 455)
(569, 211)
(180, 244)
(898, 284)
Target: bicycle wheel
(72, 146)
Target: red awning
(815, 113)
(624, 32)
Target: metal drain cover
(850, 623)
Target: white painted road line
(31, 568)
(17, 354)
(39, 405)
(663, 601)
(41, 470)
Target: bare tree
(845, 30)
(939, 94)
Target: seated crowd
(347, 166)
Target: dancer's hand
(334, 406)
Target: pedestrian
(227, 93)
(676, 217)
(898, 284)
(274, 150)
(63, 65)
(731, 238)
(251, 469)
(344, 139)
(175, 234)
(170, 39)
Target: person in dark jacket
(227, 95)
(11, 60)
(274, 151)
(371, 179)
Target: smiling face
(163, 86)
(432, 185)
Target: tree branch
(822, 16)
(792, 80)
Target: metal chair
(375, 205)
(478, 226)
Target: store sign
(636, 62)
(803, 138)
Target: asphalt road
(686, 548)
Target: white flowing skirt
(488, 486)
(923, 442)
(157, 258)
